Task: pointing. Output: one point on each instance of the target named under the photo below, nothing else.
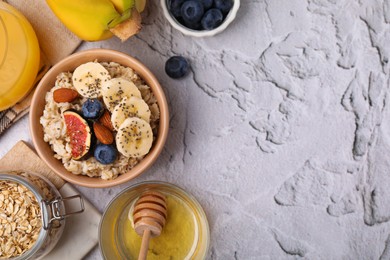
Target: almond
(105, 120)
(103, 134)
(63, 95)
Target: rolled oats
(20, 216)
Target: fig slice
(79, 132)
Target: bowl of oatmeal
(99, 118)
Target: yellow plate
(19, 56)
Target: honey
(176, 239)
(184, 236)
(19, 56)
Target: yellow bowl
(185, 235)
(19, 56)
(70, 64)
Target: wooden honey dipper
(149, 216)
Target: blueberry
(92, 109)
(223, 5)
(207, 3)
(176, 67)
(212, 19)
(193, 26)
(105, 154)
(175, 7)
(192, 11)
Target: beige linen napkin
(56, 42)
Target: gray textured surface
(281, 130)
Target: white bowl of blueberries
(200, 18)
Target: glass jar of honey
(19, 56)
(185, 234)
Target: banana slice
(88, 78)
(134, 137)
(115, 90)
(130, 107)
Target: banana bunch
(95, 20)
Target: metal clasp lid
(57, 213)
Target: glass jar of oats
(32, 215)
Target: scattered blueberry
(105, 154)
(175, 7)
(92, 109)
(223, 5)
(207, 4)
(212, 19)
(176, 67)
(192, 11)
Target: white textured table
(281, 130)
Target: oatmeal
(115, 96)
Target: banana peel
(123, 5)
(95, 20)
